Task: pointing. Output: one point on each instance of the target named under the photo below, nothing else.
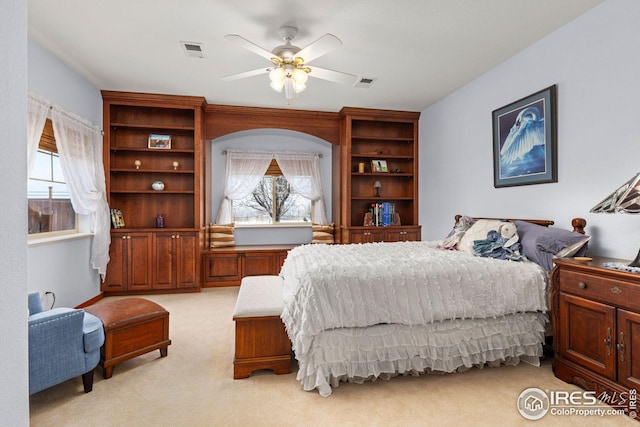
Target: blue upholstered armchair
(63, 343)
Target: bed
(360, 312)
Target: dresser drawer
(607, 290)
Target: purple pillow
(540, 244)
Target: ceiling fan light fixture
(293, 79)
(277, 74)
(277, 85)
(290, 70)
(300, 76)
(299, 87)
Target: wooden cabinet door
(628, 344)
(223, 267)
(139, 261)
(117, 276)
(260, 263)
(394, 235)
(412, 234)
(164, 260)
(588, 334)
(402, 234)
(366, 236)
(187, 260)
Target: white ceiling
(419, 50)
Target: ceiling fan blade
(323, 45)
(246, 74)
(333, 76)
(249, 46)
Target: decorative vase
(157, 185)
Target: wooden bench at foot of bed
(261, 339)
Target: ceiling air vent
(365, 82)
(192, 49)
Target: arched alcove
(270, 140)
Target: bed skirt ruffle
(383, 351)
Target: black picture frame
(525, 141)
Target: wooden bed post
(578, 225)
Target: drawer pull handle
(582, 285)
(620, 346)
(607, 341)
(616, 290)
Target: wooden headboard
(578, 224)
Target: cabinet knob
(616, 290)
(124, 237)
(582, 285)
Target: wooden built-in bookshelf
(369, 135)
(145, 257)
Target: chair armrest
(55, 330)
(62, 315)
(93, 332)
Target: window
(273, 201)
(50, 210)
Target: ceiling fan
(290, 65)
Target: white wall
(594, 63)
(14, 371)
(268, 140)
(62, 267)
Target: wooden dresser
(596, 319)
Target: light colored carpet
(194, 386)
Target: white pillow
(478, 231)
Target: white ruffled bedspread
(383, 351)
(331, 292)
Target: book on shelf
(382, 214)
(117, 221)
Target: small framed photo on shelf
(160, 142)
(379, 166)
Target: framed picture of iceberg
(524, 141)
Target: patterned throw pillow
(322, 233)
(221, 235)
(463, 224)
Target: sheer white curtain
(37, 110)
(244, 170)
(80, 148)
(302, 171)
